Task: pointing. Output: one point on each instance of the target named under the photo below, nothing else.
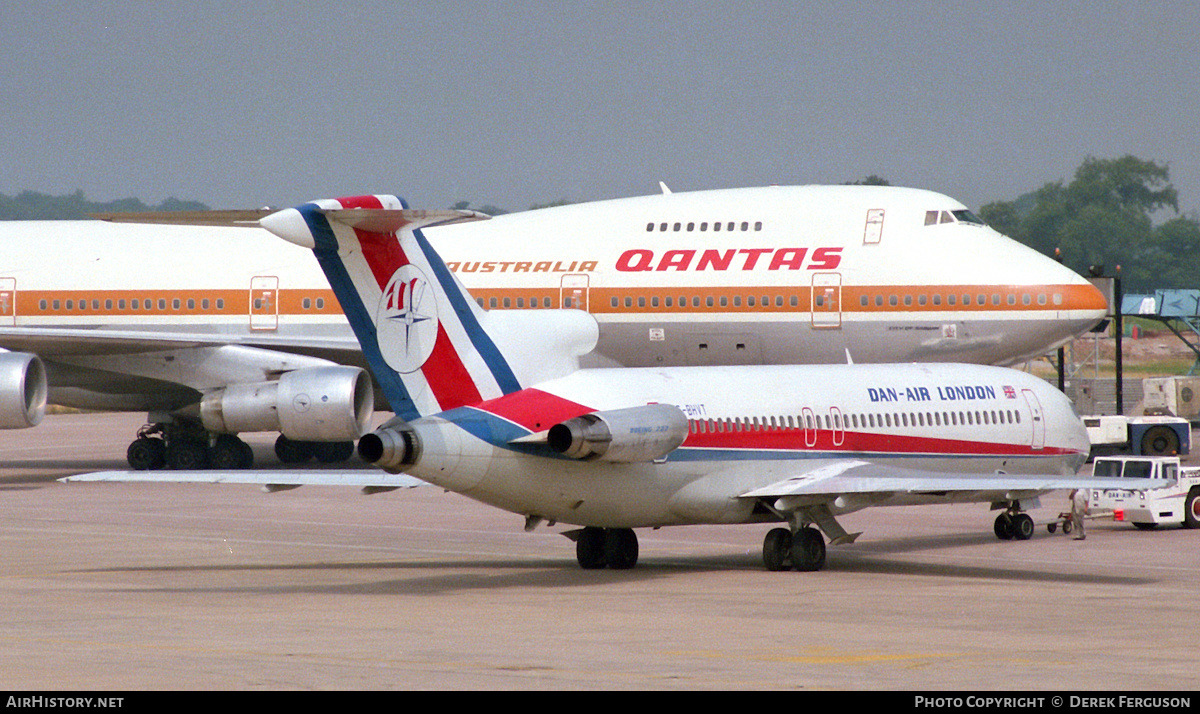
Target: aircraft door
(8, 301)
(264, 302)
(827, 300)
(839, 427)
(810, 426)
(1038, 438)
(573, 291)
(873, 232)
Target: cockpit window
(965, 216)
(933, 218)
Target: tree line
(34, 206)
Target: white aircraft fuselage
(751, 427)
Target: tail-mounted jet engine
(23, 390)
(391, 447)
(622, 435)
(313, 404)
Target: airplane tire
(777, 549)
(333, 452)
(1160, 441)
(1191, 509)
(292, 451)
(808, 550)
(589, 549)
(229, 453)
(1022, 526)
(186, 455)
(620, 548)
(1003, 527)
(145, 454)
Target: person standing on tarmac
(1079, 507)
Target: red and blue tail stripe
(447, 360)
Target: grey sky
(241, 104)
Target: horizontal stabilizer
(390, 220)
(372, 480)
(237, 218)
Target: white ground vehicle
(1177, 500)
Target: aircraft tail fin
(429, 345)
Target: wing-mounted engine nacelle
(391, 447)
(314, 404)
(23, 390)
(623, 435)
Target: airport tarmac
(223, 587)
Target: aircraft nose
(1079, 300)
(1090, 298)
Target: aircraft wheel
(146, 454)
(777, 549)
(620, 548)
(589, 548)
(1191, 509)
(229, 452)
(333, 452)
(1003, 526)
(186, 455)
(292, 451)
(1022, 525)
(1160, 441)
(808, 550)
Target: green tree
(871, 180)
(486, 208)
(34, 206)
(1104, 217)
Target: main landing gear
(803, 550)
(292, 451)
(185, 446)
(182, 447)
(615, 548)
(1013, 525)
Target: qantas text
(644, 259)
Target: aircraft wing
(866, 482)
(81, 341)
(370, 480)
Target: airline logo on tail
(418, 328)
(407, 320)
